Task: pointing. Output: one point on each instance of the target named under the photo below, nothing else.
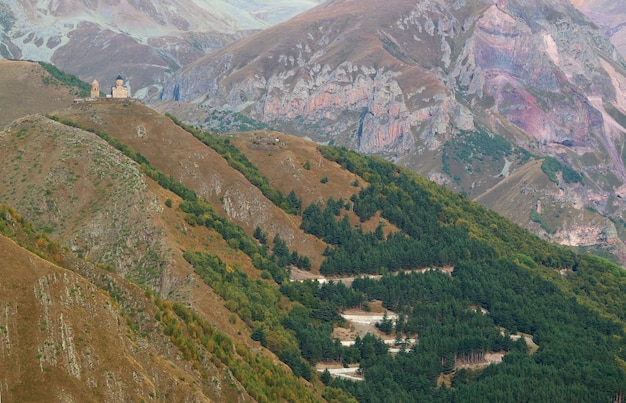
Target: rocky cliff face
(399, 72)
(405, 80)
(62, 338)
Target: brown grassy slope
(174, 151)
(180, 283)
(528, 190)
(517, 194)
(337, 31)
(86, 194)
(24, 91)
(89, 197)
(63, 339)
(95, 196)
(282, 159)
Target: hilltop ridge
(198, 241)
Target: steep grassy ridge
(176, 152)
(53, 349)
(28, 88)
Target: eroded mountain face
(143, 40)
(400, 71)
(420, 82)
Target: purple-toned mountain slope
(424, 82)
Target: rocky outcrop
(63, 338)
(537, 75)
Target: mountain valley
(408, 201)
(182, 244)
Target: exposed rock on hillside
(610, 16)
(409, 81)
(62, 338)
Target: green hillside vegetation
(236, 159)
(197, 340)
(62, 78)
(551, 167)
(578, 339)
(579, 352)
(473, 152)
(445, 226)
(571, 305)
(223, 121)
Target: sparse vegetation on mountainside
(224, 122)
(462, 283)
(24, 91)
(291, 204)
(164, 180)
(68, 344)
(201, 212)
(198, 340)
(80, 87)
(472, 152)
(80, 192)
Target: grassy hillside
(28, 88)
(182, 350)
(431, 227)
(174, 151)
(213, 228)
(52, 347)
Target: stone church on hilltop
(118, 91)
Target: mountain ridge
(224, 306)
(142, 40)
(408, 81)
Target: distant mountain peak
(404, 80)
(92, 39)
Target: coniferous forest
(505, 283)
(556, 317)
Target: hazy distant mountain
(610, 16)
(426, 84)
(142, 40)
